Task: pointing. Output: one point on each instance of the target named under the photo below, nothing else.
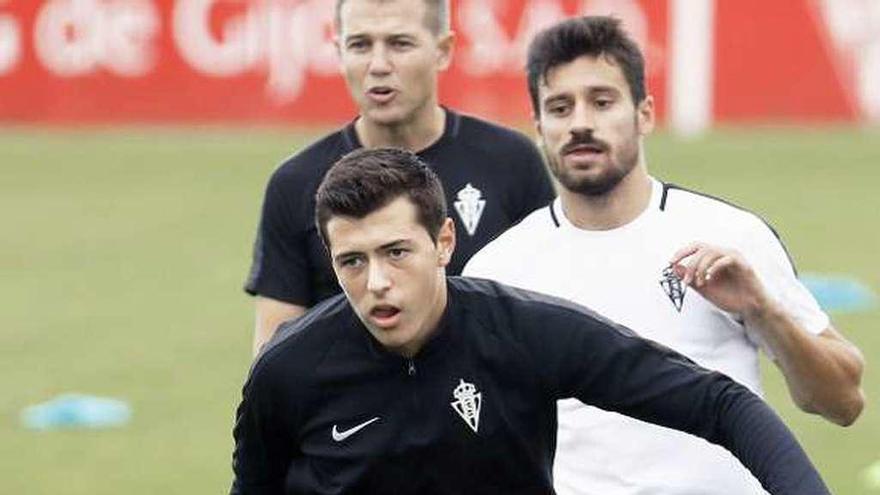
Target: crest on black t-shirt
(470, 205)
(467, 403)
(673, 287)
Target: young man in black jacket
(413, 382)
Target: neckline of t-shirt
(450, 131)
(651, 209)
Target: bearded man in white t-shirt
(684, 269)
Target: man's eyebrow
(387, 245)
(395, 35)
(346, 254)
(604, 89)
(592, 90)
(557, 97)
(395, 243)
(355, 36)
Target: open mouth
(381, 94)
(384, 315)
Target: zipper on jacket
(410, 367)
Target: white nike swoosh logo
(342, 435)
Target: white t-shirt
(620, 273)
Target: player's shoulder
(488, 135)
(718, 219)
(494, 301)
(300, 344)
(531, 230)
(482, 291)
(529, 233)
(309, 164)
(710, 210)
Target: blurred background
(136, 137)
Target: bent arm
(609, 366)
(270, 313)
(752, 432)
(823, 372)
(665, 388)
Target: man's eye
(604, 103)
(357, 45)
(557, 109)
(397, 253)
(401, 44)
(351, 262)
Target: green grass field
(123, 254)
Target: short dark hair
(436, 15)
(366, 180)
(591, 36)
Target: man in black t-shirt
(391, 53)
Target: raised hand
(722, 276)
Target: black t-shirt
(493, 177)
(327, 409)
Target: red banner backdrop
(776, 59)
(72, 61)
(271, 61)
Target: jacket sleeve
(259, 460)
(590, 358)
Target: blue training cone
(72, 411)
(840, 294)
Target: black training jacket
(327, 410)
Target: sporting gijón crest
(470, 204)
(468, 402)
(673, 287)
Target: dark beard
(591, 187)
(602, 185)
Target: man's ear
(337, 43)
(539, 130)
(445, 48)
(646, 115)
(445, 242)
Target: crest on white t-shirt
(467, 403)
(673, 287)
(470, 205)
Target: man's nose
(380, 62)
(583, 119)
(377, 278)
